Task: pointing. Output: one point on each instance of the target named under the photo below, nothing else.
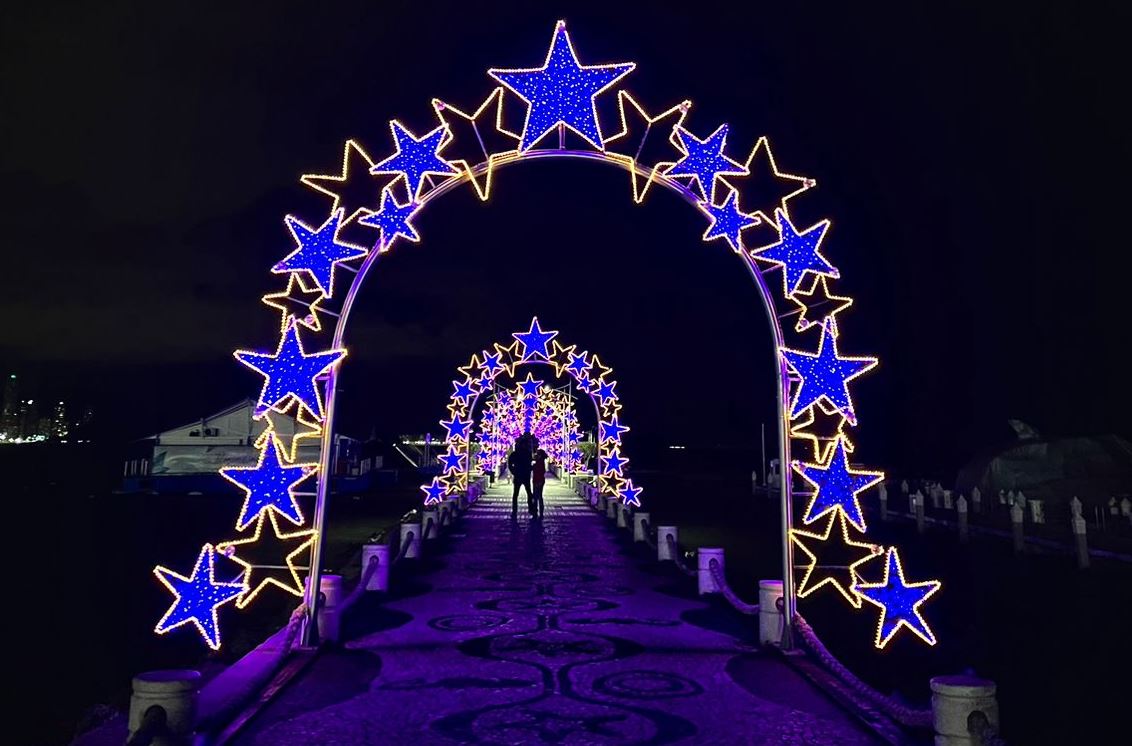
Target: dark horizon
(970, 160)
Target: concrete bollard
(610, 507)
(935, 494)
(600, 503)
(954, 700)
(1016, 514)
(414, 549)
(662, 534)
(329, 615)
(430, 522)
(379, 579)
(462, 502)
(623, 516)
(961, 512)
(919, 512)
(770, 618)
(903, 486)
(754, 482)
(175, 692)
(1037, 511)
(947, 499)
(639, 521)
(1077, 523)
(883, 492)
(705, 577)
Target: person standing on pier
(538, 479)
(519, 464)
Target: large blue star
(612, 430)
(727, 222)
(530, 386)
(825, 374)
(798, 253)
(318, 251)
(562, 91)
(456, 427)
(434, 492)
(393, 220)
(416, 157)
(614, 463)
(836, 486)
(491, 363)
(268, 485)
(463, 390)
(290, 372)
(605, 391)
(453, 460)
(534, 341)
(704, 160)
(899, 601)
(578, 365)
(197, 597)
(629, 494)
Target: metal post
(310, 597)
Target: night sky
(973, 161)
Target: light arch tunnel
(325, 271)
(533, 347)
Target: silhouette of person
(519, 464)
(538, 478)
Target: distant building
(59, 428)
(10, 407)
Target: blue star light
(530, 386)
(393, 220)
(456, 427)
(434, 492)
(491, 363)
(826, 375)
(562, 91)
(612, 430)
(197, 597)
(727, 222)
(797, 253)
(268, 485)
(534, 341)
(463, 391)
(629, 494)
(416, 157)
(318, 251)
(605, 391)
(704, 160)
(836, 486)
(614, 463)
(578, 365)
(453, 460)
(290, 372)
(899, 601)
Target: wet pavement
(545, 631)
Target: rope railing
(903, 714)
(721, 582)
(405, 543)
(677, 557)
(360, 588)
(427, 530)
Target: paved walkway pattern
(547, 632)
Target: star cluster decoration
(899, 602)
(197, 597)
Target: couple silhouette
(527, 464)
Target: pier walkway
(545, 632)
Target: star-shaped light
(197, 597)
(453, 460)
(290, 372)
(611, 431)
(560, 356)
(703, 160)
(645, 142)
(817, 305)
(463, 390)
(416, 158)
(578, 365)
(614, 463)
(534, 341)
(826, 375)
(727, 222)
(821, 428)
(597, 370)
(492, 363)
(289, 428)
(832, 563)
(605, 391)
(530, 386)
(456, 427)
(797, 253)
(319, 250)
(434, 492)
(899, 601)
(298, 303)
(353, 190)
(269, 485)
(562, 91)
(629, 494)
(836, 486)
(763, 186)
(478, 138)
(271, 557)
(393, 220)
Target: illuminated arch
(561, 107)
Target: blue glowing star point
(826, 375)
(727, 222)
(797, 253)
(290, 372)
(629, 494)
(416, 158)
(836, 486)
(392, 218)
(269, 485)
(434, 491)
(704, 160)
(197, 597)
(319, 251)
(534, 341)
(899, 601)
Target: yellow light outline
(764, 142)
(159, 569)
(930, 639)
(658, 169)
(804, 589)
(249, 593)
(290, 452)
(312, 321)
(440, 107)
(802, 324)
(343, 178)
